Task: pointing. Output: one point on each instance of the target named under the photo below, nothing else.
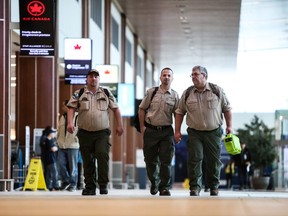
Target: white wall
(68, 25)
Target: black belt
(157, 127)
(99, 131)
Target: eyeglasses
(195, 74)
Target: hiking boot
(153, 190)
(103, 189)
(214, 192)
(88, 192)
(194, 192)
(165, 192)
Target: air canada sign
(37, 27)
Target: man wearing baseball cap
(93, 71)
(93, 106)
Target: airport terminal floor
(134, 202)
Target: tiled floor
(140, 202)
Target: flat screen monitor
(126, 99)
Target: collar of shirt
(164, 91)
(207, 87)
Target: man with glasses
(205, 104)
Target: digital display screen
(126, 99)
(37, 27)
(77, 59)
(125, 96)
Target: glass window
(96, 12)
(139, 67)
(128, 52)
(115, 33)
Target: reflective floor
(140, 202)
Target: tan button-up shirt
(204, 109)
(93, 113)
(67, 140)
(162, 106)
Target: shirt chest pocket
(212, 102)
(170, 104)
(192, 104)
(84, 105)
(102, 104)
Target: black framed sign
(77, 59)
(37, 27)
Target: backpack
(214, 87)
(136, 118)
(82, 91)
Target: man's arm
(141, 115)
(119, 129)
(178, 123)
(228, 119)
(70, 116)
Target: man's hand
(70, 128)
(119, 131)
(177, 137)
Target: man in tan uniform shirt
(157, 131)
(205, 104)
(93, 130)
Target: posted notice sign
(37, 27)
(77, 59)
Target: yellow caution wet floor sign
(35, 178)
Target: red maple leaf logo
(77, 47)
(36, 8)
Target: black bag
(136, 117)
(137, 123)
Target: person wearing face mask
(156, 118)
(204, 105)
(93, 103)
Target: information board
(37, 27)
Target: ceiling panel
(183, 33)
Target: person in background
(43, 146)
(229, 172)
(243, 163)
(49, 156)
(93, 106)
(80, 172)
(205, 104)
(156, 129)
(68, 151)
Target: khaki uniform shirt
(162, 106)
(93, 113)
(68, 140)
(204, 109)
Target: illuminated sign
(125, 96)
(77, 59)
(37, 27)
(108, 73)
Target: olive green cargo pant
(204, 144)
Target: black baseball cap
(93, 71)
